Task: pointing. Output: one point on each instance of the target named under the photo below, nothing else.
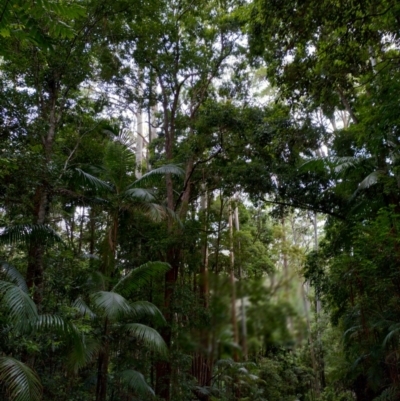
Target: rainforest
(199, 200)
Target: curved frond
(149, 336)
(136, 381)
(144, 308)
(21, 382)
(53, 322)
(83, 308)
(111, 303)
(157, 212)
(83, 354)
(21, 308)
(144, 274)
(27, 232)
(13, 275)
(95, 183)
(371, 179)
(141, 194)
(152, 176)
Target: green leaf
(13, 275)
(112, 304)
(149, 336)
(144, 308)
(135, 380)
(21, 308)
(144, 195)
(143, 274)
(29, 232)
(83, 308)
(371, 179)
(150, 177)
(94, 182)
(21, 382)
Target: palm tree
(109, 310)
(112, 313)
(119, 192)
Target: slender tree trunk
(321, 360)
(102, 366)
(202, 360)
(139, 135)
(233, 281)
(35, 268)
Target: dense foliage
(199, 200)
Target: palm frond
(315, 164)
(371, 179)
(83, 308)
(111, 303)
(141, 194)
(153, 176)
(83, 353)
(389, 394)
(53, 322)
(95, 183)
(149, 336)
(157, 212)
(144, 308)
(20, 381)
(136, 381)
(21, 308)
(342, 164)
(11, 273)
(143, 274)
(27, 232)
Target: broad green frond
(112, 304)
(156, 212)
(152, 176)
(95, 183)
(57, 323)
(21, 308)
(119, 162)
(83, 353)
(136, 381)
(371, 179)
(21, 382)
(27, 232)
(141, 194)
(143, 274)
(13, 275)
(83, 308)
(149, 336)
(144, 308)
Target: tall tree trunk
(139, 134)
(41, 205)
(232, 281)
(202, 359)
(243, 318)
(102, 366)
(321, 360)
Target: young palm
(113, 314)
